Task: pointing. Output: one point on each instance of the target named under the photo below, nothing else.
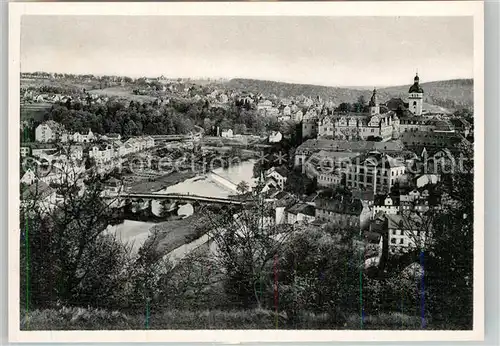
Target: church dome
(416, 88)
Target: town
(169, 152)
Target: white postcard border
(389, 8)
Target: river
(204, 185)
(201, 185)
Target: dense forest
(180, 116)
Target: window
(401, 241)
(393, 231)
(393, 241)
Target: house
(283, 118)
(297, 116)
(374, 239)
(25, 151)
(113, 185)
(80, 138)
(223, 98)
(74, 152)
(278, 174)
(150, 142)
(102, 153)
(433, 141)
(462, 126)
(343, 212)
(48, 131)
(300, 213)
(113, 136)
(281, 201)
(264, 105)
(367, 197)
(29, 177)
(406, 233)
(386, 204)
(41, 195)
(275, 137)
(309, 128)
(43, 152)
(132, 145)
(426, 179)
(228, 133)
(119, 148)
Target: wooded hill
(453, 94)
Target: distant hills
(451, 94)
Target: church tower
(416, 97)
(374, 106)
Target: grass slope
(159, 319)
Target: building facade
(375, 171)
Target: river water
(201, 185)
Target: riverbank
(162, 182)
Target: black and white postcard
(245, 172)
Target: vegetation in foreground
(311, 276)
(96, 319)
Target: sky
(334, 51)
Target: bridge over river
(158, 196)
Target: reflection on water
(203, 185)
(135, 233)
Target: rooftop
(353, 146)
(340, 206)
(39, 189)
(302, 208)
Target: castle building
(360, 126)
(416, 97)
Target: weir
(216, 178)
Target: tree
(449, 265)
(71, 258)
(247, 240)
(243, 187)
(320, 272)
(299, 184)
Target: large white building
(48, 131)
(375, 171)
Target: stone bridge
(150, 196)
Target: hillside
(456, 93)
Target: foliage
(299, 184)
(69, 257)
(319, 272)
(247, 240)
